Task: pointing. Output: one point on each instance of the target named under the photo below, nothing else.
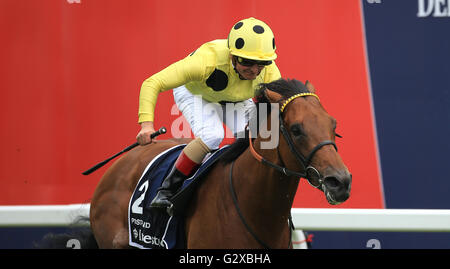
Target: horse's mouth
(331, 200)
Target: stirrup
(156, 203)
(170, 210)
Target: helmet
(252, 39)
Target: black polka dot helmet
(252, 39)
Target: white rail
(46, 215)
(317, 219)
(380, 220)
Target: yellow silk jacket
(208, 72)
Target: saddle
(158, 230)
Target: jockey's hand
(143, 137)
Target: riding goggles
(249, 62)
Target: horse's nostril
(337, 188)
(332, 182)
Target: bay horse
(244, 201)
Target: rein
(281, 169)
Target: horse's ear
(272, 96)
(310, 87)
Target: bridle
(309, 172)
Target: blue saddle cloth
(151, 230)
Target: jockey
(220, 71)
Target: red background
(70, 76)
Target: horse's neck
(266, 191)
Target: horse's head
(307, 138)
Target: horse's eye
(296, 130)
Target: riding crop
(161, 130)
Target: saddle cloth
(150, 230)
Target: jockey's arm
(175, 75)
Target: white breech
(206, 119)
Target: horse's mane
(286, 88)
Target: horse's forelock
(284, 87)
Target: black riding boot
(171, 184)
